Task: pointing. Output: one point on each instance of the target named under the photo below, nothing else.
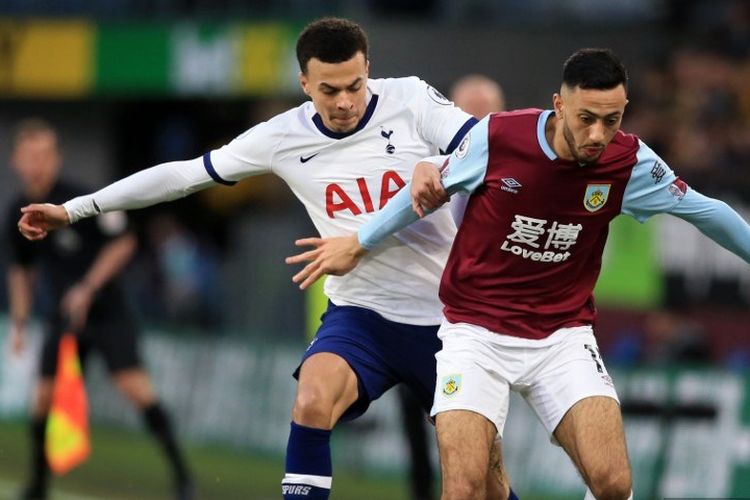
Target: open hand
(336, 256)
(40, 218)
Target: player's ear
(557, 105)
(304, 83)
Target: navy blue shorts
(382, 353)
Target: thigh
(48, 358)
(592, 434)
(353, 335)
(465, 439)
(117, 341)
(469, 375)
(53, 332)
(412, 350)
(563, 374)
(327, 388)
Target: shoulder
(623, 147)
(515, 118)
(517, 115)
(406, 89)
(276, 127)
(514, 123)
(625, 140)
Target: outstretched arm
(164, 182)
(717, 220)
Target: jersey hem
(408, 320)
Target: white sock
(590, 496)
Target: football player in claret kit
(344, 154)
(517, 288)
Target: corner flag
(67, 436)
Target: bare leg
(327, 387)
(591, 433)
(464, 439)
(136, 385)
(498, 484)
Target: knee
(612, 485)
(42, 398)
(465, 488)
(137, 388)
(312, 408)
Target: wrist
(88, 285)
(18, 323)
(358, 250)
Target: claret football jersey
(529, 248)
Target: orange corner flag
(67, 439)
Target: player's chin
(344, 125)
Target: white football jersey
(344, 178)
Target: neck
(553, 132)
(38, 193)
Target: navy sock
(308, 464)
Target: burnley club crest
(596, 196)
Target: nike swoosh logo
(302, 159)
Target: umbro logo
(510, 184)
(304, 159)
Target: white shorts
(477, 369)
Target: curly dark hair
(330, 40)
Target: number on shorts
(595, 356)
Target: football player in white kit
(344, 154)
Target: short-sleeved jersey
(64, 257)
(528, 252)
(344, 178)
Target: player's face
(36, 160)
(587, 121)
(338, 91)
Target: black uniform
(61, 260)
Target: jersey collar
(541, 137)
(318, 121)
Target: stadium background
(133, 83)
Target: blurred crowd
(694, 105)
(691, 103)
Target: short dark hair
(331, 40)
(598, 69)
(31, 127)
